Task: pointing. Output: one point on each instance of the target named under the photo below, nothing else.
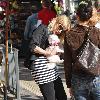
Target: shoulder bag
(88, 59)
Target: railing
(13, 72)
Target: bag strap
(86, 37)
(81, 48)
(87, 33)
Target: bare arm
(41, 51)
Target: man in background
(47, 13)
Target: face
(94, 17)
(58, 29)
(94, 13)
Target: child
(54, 42)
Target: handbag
(88, 59)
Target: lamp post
(6, 54)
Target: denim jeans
(86, 88)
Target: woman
(59, 26)
(95, 19)
(46, 14)
(81, 84)
(48, 79)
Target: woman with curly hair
(59, 26)
(84, 85)
(95, 19)
(47, 13)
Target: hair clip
(83, 2)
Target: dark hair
(35, 6)
(84, 10)
(96, 4)
(34, 9)
(46, 3)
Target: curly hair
(84, 10)
(61, 22)
(95, 18)
(59, 25)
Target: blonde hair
(95, 17)
(59, 24)
(61, 20)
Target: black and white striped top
(40, 70)
(42, 73)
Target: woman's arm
(67, 63)
(41, 51)
(39, 39)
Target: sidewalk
(29, 89)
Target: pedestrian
(46, 14)
(59, 26)
(95, 19)
(48, 79)
(31, 25)
(83, 83)
(54, 43)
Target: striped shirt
(42, 73)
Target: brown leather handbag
(88, 59)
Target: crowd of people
(50, 35)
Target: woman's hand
(47, 52)
(50, 53)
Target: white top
(98, 25)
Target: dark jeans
(53, 90)
(87, 88)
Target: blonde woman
(59, 26)
(95, 19)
